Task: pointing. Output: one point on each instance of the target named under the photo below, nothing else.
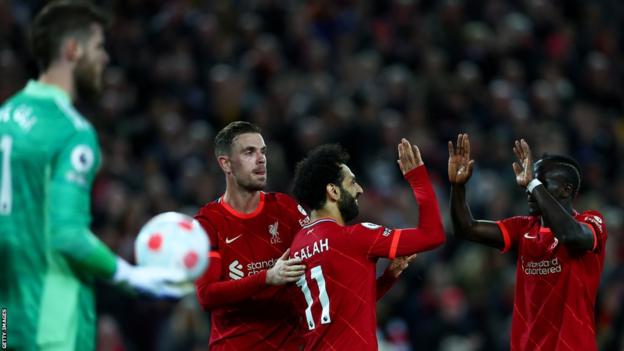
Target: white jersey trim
(318, 221)
(70, 112)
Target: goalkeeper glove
(157, 281)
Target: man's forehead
(544, 166)
(545, 170)
(346, 171)
(246, 140)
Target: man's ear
(333, 192)
(224, 163)
(72, 50)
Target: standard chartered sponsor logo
(544, 267)
(235, 270)
(256, 267)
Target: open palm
(459, 163)
(409, 156)
(524, 167)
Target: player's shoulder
(283, 201)
(325, 225)
(210, 209)
(591, 216)
(211, 216)
(589, 213)
(51, 109)
(74, 118)
(279, 198)
(364, 226)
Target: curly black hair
(313, 173)
(568, 166)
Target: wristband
(532, 184)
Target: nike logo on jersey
(554, 244)
(229, 241)
(526, 235)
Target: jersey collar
(48, 91)
(319, 220)
(241, 214)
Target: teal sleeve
(101, 261)
(72, 175)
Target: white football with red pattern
(173, 240)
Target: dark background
(365, 74)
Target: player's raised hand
(399, 264)
(409, 156)
(524, 167)
(285, 270)
(459, 163)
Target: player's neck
(241, 200)
(59, 75)
(327, 212)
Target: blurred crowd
(364, 74)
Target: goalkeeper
(49, 155)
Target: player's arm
(72, 174)
(392, 273)
(71, 178)
(213, 290)
(566, 228)
(464, 225)
(569, 231)
(430, 233)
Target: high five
(560, 251)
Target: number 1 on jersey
(6, 195)
(316, 273)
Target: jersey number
(6, 195)
(316, 273)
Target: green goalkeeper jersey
(49, 155)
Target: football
(173, 240)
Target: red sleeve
(596, 223)
(384, 283)
(511, 229)
(383, 242)
(212, 290)
(203, 217)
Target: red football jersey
(339, 287)
(555, 287)
(336, 297)
(242, 246)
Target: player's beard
(251, 185)
(87, 79)
(347, 206)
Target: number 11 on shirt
(316, 273)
